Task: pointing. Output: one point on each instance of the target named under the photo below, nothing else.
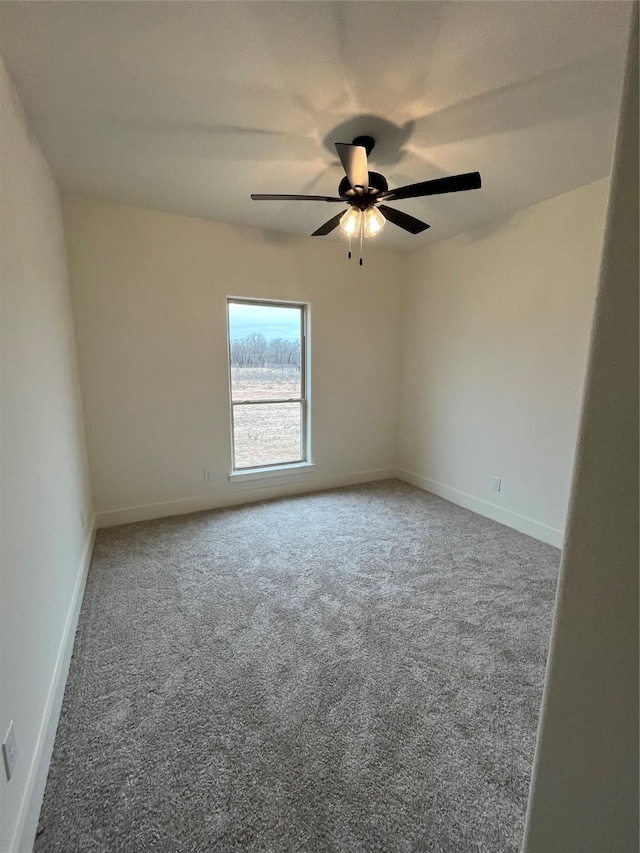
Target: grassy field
(265, 434)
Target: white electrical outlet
(9, 751)
(82, 518)
(206, 476)
(497, 482)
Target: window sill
(272, 472)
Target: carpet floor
(356, 670)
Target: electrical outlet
(82, 518)
(497, 482)
(207, 476)
(9, 751)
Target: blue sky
(270, 321)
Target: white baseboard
(27, 823)
(240, 493)
(544, 532)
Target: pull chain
(361, 234)
(349, 254)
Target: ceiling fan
(363, 191)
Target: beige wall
(44, 471)
(149, 292)
(493, 347)
(496, 328)
(584, 792)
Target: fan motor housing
(377, 182)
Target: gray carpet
(355, 670)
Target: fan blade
(398, 217)
(267, 197)
(354, 161)
(329, 226)
(453, 184)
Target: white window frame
(276, 469)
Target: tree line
(256, 351)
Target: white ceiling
(191, 106)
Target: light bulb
(374, 221)
(351, 221)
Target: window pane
(265, 383)
(266, 434)
(265, 351)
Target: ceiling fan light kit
(371, 220)
(351, 222)
(374, 221)
(363, 191)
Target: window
(268, 383)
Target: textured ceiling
(190, 107)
